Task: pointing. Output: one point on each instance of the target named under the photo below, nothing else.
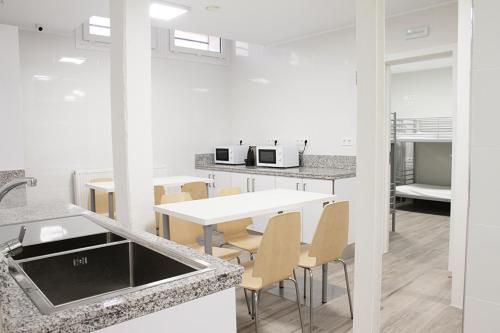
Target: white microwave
(235, 154)
(278, 156)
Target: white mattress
(424, 192)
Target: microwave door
(222, 155)
(267, 156)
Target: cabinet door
(242, 181)
(312, 212)
(289, 183)
(221, 179)
(345, 189)
(205, 174)
(261, 183)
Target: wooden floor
(415, 288)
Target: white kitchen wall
(305, 89)
(11, 128)
(67, 112)
(482, 287)
(426, 93)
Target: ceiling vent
(419, 32)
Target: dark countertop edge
(87, 318)
(327, 174)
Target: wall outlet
(301, 142)
(347, 142)
(270, 141)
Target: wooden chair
(329, 241)
(198, 190)
(275, 261)
(235, 232)
(101, 198)
(186, 233)
(159, 192)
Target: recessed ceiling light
(212, 8)
(166, 11)
(200, 90)
(71, 60)
(79, 93)
(260, 80)
(41, 77)
(69, 98)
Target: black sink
(82, 270)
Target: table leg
(166, 226)
(111, 209)
(92, 200)
(207, 238)
(324, 287)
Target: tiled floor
(415, 291)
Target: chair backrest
(279, 249)
(159, 193)
(235, 227)
(181, 231)
(330, 237)
(101, 197)
(198, 190)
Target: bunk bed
(405, 133)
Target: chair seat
(245, 241)
(305, 261)
(219, 252)
(248, 281)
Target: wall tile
(484, 187)
(486, 49)
(484, 108)
(481, 316)
(483, 264)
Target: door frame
(456, 262)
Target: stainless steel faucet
(30, 181)
(14, 246)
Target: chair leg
(255, 297)
(305, 282)
(297, 293)
(324, 287)
(246, 300)
(347, 285)
(238, 260)
(310, 300)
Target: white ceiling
(258, 21)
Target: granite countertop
(19, 314)
(302, 172)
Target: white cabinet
(345, 189)
(311, 212)
(221, 179)
(242, 181)
(261, 183)
(253, 183)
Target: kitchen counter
(18, 314)
(303, 172)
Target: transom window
(195, 43)
(97, 29)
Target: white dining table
(211, 211)
(109, 188)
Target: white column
(371, 164)
(131, 112)
(461, 153)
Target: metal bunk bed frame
(406, 131)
